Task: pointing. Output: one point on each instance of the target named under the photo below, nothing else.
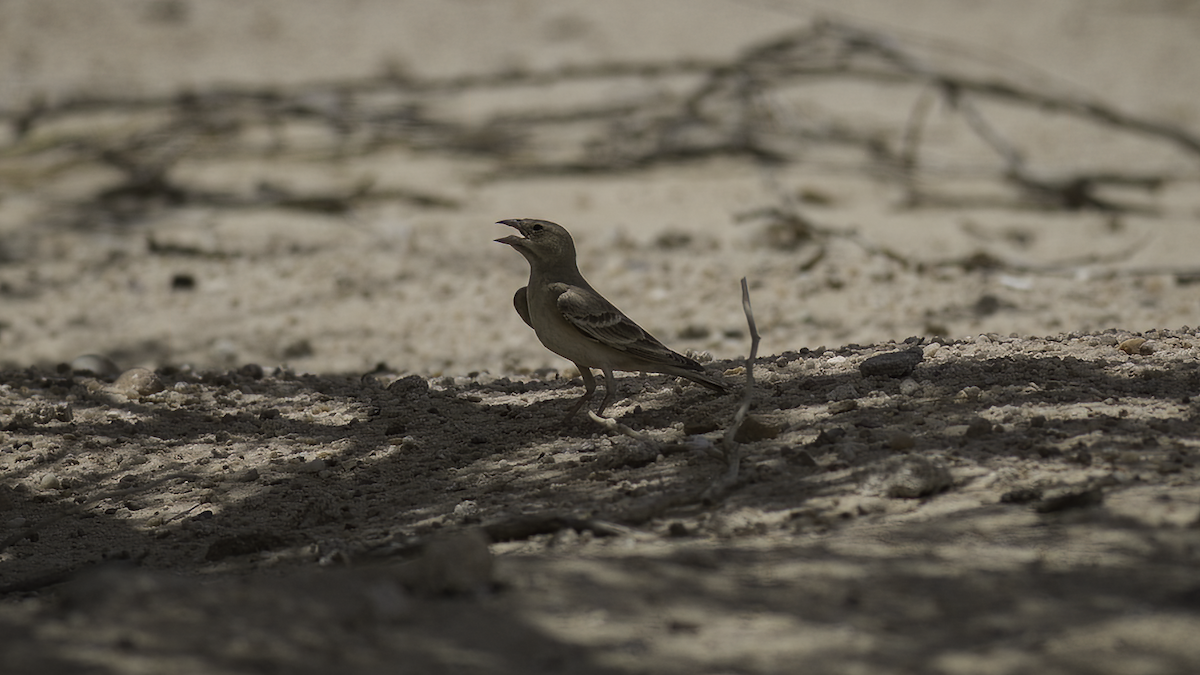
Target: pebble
(770, 467)
(968, 393)
(252, 371)
(312, 466)
(754, 428)
(137, 383)
(701, 425)
(412, 385)
(838, 407)
(247, 476)
(828, 437)
(1135, 346)
(1071, 498)
(735, 372)
(96, 364)
(1021, 495)
(915, 476)
(909, 386)
(50, 482)
(978, 428)
(842, 393)
(892, 364)
(460, 563)
(465, 509)
(799, 457)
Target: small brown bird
(574, 321)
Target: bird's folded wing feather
(521, 304)
(600, 320)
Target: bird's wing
(521, 304)
(600, 320)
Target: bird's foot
(614, 426)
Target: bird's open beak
(512, 239)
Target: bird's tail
(713, 382)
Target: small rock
(137, 383)
(460, 563)
(799, 457)
(827, 437)
(838, 407)
(182, 281)
(1134, 346)
(753, 428)
(1022, 495)
(915, 476)
(769, 468)
(41, 413)
(893, 364)
(412, 385)
(312, 466)
(247, 476)
(466, 509)
(909, 386)
(693, 427)
(50, 482)
(297, 349)
(96, 364)
(842, 393)
(1074, 498)
(970, 393)
(978, 428)
(252, 371)
(242, 544)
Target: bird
(574, 321)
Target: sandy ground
(335, 447)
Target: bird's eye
(536, 226)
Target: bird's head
(540, 240)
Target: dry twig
(731, 447)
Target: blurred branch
(685, 110)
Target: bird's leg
(610, 391)
(589, 385)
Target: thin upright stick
(748, 392)
(733, 457)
